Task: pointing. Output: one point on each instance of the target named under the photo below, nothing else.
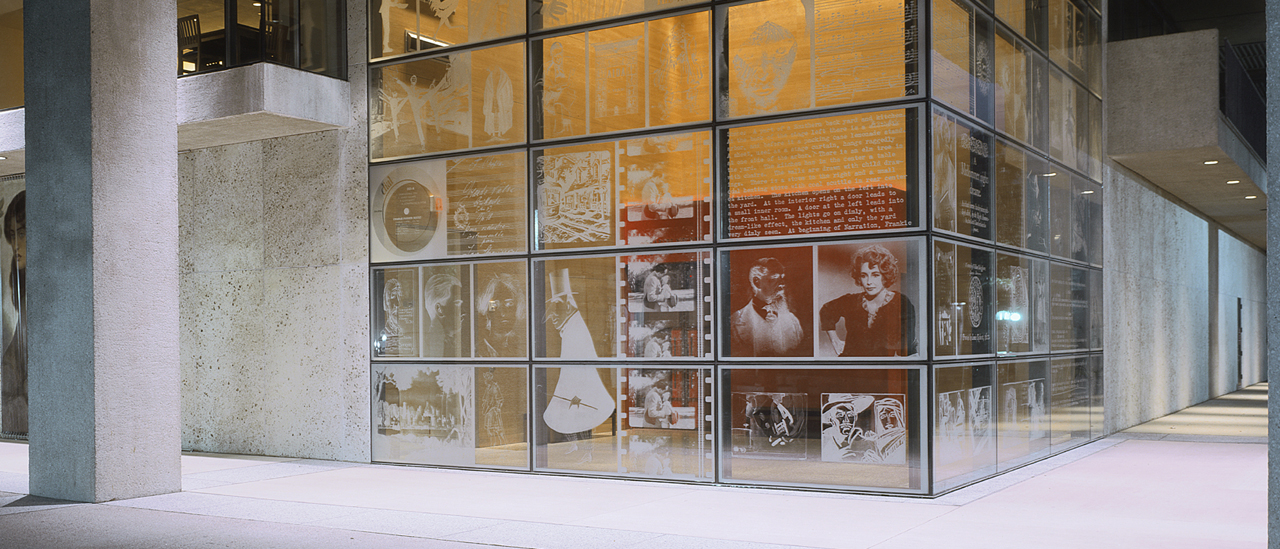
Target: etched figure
(491, 402)
(13, 369)
(863, 428)
(388, 400)
(877, 321)
(944, 173)
(772, 423)
(557, 99)
(442, 299)
(389, 336)
(658, 411)
(443, 9)
(498, 104)
(563, 315)
(656, 195)
(657, 290)
(765, 326)
(385, 12)
(762, 66)
(677, 63)
(980, 417)
(502, 310)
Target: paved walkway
(1169, 483)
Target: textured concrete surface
(1273, 272)
(1156, 290)
(104, 418)
(275, 299)
(1242, 276)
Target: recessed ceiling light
(1250, 197)
(1233, 181)
(257, 4)
(4, 158)
(1087, 192)
(1210, 162)
(1051, 174)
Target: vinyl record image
(408, 206)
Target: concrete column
(102, 240)
(1273, 273)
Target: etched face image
(889, 415)
(871, 280)
(503, 312)
(770, 285)
(763, 65)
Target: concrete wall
(1242, 277)
(275, 291)
(1165, 266)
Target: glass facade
(742, 242)
(304, 34)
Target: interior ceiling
(1238, 21)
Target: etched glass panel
(449, 415)
(395, 27)
(784, 55)
(770, 291)
(1070, 406)
(1012, 176)
(621, 78)
(443, 103)
(550, 14)
(624, 421)
(869, 296)
(1072, 38)
(577, 300)
(1097, 400)
(437, 208)
(1016, 306)
(663, 184)
(1023, 417)
(840, 174)
(666, 305)
(1069, 287)
(964, 440)
(395, 312)
(961, 177)
(822, 427)
(962, 297)
(962, 57)
(1012, 92)
(501, 310)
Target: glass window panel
(624, 421)
(679, 88)
(395, 312)
(666, 306)
(437, 208)
(1060, 209)
(449, 415)
(1012, 93)
(446, 303)
(1027, 18)
(1097, 400)
(1071, 35)
(560, 86)
(634, 76)
(961, 177)
(823, 427)
(549, 14)
(1036, 200)
(1095, 137)
(666, 189)
(501, 310)
(847, 173)
(393, 27)
(1040, 101)
(1097, 328)
(1041, 307)
(1093, 51)
(962, 57)
(1082, 146)
(770, 291)
(1070, 407)
(783, 55)
(577, 300)
(450, 23)
(963, 300)
(1023, 417)
(1062, 118)
(1069, 287)
(1085, 228)
(964, 440)
(663, 183)
(867, 295)
(1012, 177)
(1013, 304)
(440, 104)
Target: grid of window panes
(689, 240)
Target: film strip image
(666, 305)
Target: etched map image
(864, 428)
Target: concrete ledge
(255, 102)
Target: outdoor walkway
(1193, 479)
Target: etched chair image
(189, 44)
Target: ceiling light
(1250, 197)
(1051, 174)
(1210, 162)
(257, 4)
(4, 158)
(1233, 181)
(1087, 192)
